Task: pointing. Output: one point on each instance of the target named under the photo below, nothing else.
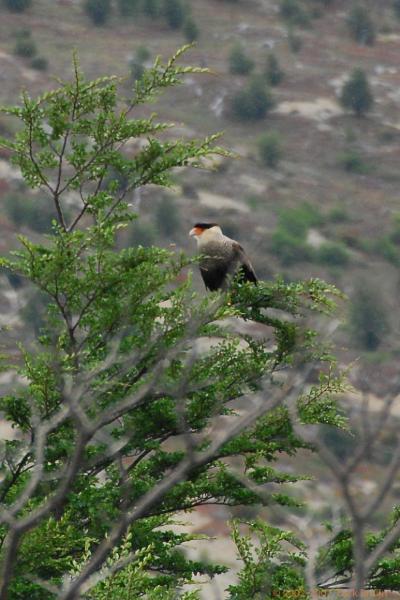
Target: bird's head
(203, 232)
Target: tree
(190, 30)
(361, 26)
(128, 8)
(98, 10)
(367, 319)
(270, 148)
(17, 5)
(239, 62)
(356, 93)
(174, 13)
(253, 102)
(90, 487)
(273, 71)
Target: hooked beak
(195, 231)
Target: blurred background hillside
(307, 93)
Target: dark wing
(245, 270)
(214, 275)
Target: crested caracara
(221, 257)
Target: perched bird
(221, 257)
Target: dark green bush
(361, 26)
(25, 46)
(368, 320)
(174, 13)
(293, 12)
(333, 254)
(167, 217)
(152, 8)
(270, 148)
(356, 93)
(295, 42)
(289, 248)
(28, 212)
(273, 71)
(239, 62)
(99, 11)
(253, 102)
(386, 248)
(298, 220)
(128, 8)
(352, 162)
(40, 63)
(17, 5)
(190, 30)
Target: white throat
(214, 234)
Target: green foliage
(174, 13)
(190, 30)
(128, 8)
(40, 63)
(361, 26)
(270, 148)
(272, 569)
(294, 40)
(368, 321)
(352, 162)
(338, 555)
(253, 102)
(293, 12)
(110, 378)
(273, 71)
(98, 11)
(333, 254)
(35, 213)
(396, 8)
(25, 45)
(356, 94)
(167, 217)
(17, 5)
(288, 241)
(239, 62)
(152, 8)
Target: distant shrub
(387, 249)
(167, 217)
(128, 8)
(17, 5)
(352, 162)
(338, 214)
(294, 40)
(288, 248)
(28, 212)
(368, 320)
(174, 13)
(396, 8)
(137, 69)
(98, 11)
(40, 63)
(273, 71)
(142, 53)
(239, 62)
(190, 30)
(25, 46)
(143, 234)
(395, 234)
(297, 221)
(270, 148)
(152, 8)
(293, 12)
(361, 26)
(333, 254)
(253, 102)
